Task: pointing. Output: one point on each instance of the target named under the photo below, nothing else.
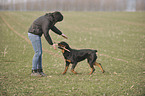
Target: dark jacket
(43, 24)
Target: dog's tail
(95, 50)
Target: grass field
(119, 38)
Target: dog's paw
(63, 73)
(103, 71)
(73, 71)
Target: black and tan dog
(74, 56)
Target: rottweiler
(74, 56)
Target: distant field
(119, 38)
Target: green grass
(119, 38)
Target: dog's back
(82, 54)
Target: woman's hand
(64, 36)
(54, 46)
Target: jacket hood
(57, 16)
(50, 17)
(54, 17)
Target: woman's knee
(38, 53)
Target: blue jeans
(37, 46)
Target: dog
(74, 56)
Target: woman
(40, 26)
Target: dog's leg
(73, 67)
(66, 67)
(65, 70)
(100, 66)
(92, 70)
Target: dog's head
(64, 46)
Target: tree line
(74, 5)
